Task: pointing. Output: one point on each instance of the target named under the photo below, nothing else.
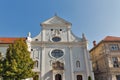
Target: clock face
(57, 53)
(56, 39)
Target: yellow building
(106, 58)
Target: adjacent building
(59, 54)
(106, 58)
(5, 41)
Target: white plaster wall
(3, 50)
(48, 59)
(78, 54)
(67, 66)
(72, 53)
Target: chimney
(94, 43)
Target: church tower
(58, 53)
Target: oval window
(57, 53)
(56, 39)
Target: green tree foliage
(1, 65)
(17, 64)
(89, 78)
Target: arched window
(77, 64)
(58, 77)
(79, 77)
(36, 63)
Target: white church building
(58, 53)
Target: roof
(55, 20)
(7, 40)
(111, 38)
(107, 39)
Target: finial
(29, 34)
(83, 36)
(55, 14)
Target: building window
(77, 64)
(51, 29)
(60, 29)
(57, 53)
(58, 77)
(56, 39)
(115, 62)
(117, 77)
(36, 63)
(36, 39)
(79, 77)
(114, 47)
(35, 53)
(31, 49)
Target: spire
(29, 37)
(55, 14)
(83, 37)
(29, 34)
(28, 41)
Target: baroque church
(59, 54)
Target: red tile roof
(9, 40)
(111, 38)
(108, 39)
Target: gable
(56, 20)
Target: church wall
(3, 49)
(67, 65)
(48, 34)
(47, 72)
(78, 55)
(56, 34)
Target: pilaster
(71, 62)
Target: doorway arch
(58, 77)
(79, 77)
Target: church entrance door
(79, 77)
(58, 77)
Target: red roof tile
(111, 38)
(9, 40)
(107, 38)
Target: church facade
(58, 53)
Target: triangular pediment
(56, 20)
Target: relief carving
(58, 66)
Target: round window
(56, 39)
(57, 53)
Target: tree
(89, 78)
(1, 64)
(18, 64)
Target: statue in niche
(58, 65)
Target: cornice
(58, 43)
(55, 25)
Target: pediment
(56, 20)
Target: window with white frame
(77, 64)
(35, 53)
(114, 47)
(36, 64)
(115, 62)
(57, 53)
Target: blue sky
(95, 18)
